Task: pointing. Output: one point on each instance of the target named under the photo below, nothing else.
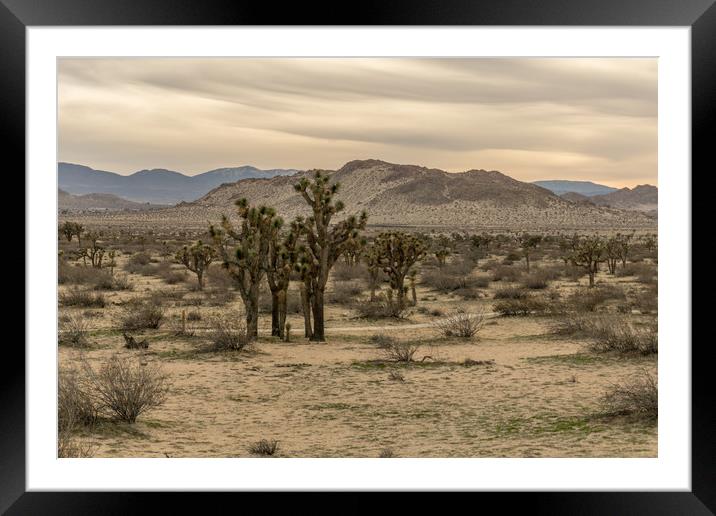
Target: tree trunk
(318, 327)
(415, 295)
(282, 309)
(306, 306)
(200, 279)
(275, 317)
(527, 260)
(401, 292)
(252, 313)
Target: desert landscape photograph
(357, 257)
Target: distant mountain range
(157, 186)
(401, 195)
(67, 202)
(586, 188)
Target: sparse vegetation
(264, 448)
(638, 397)
(461, 324)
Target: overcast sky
(578, 118)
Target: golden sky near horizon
(589, 119)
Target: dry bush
(385, 305)
(638, 397)
(574, 273)
(398, 351)
(538, 279)
(162, 296)
(382, 340)
(621, 337)
(644, 272)
(590, 299)
(126, 388)
(264, 448)
(141, 316)
(511, 293)
(227, 335)
(140, 258)
(506, 273)
(481, 282)
(647, 301)
(344, 272)
(219, 278)
(73, 331)
(82, 298)
(524, 307)
(451, 277)
(75, 404)
(387, 453)
(69, 446)
(344, 292)
(460, 324)
(575, 326)
(468, 293)
(98, 279)
(395, 376)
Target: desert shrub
(646, 301)
(193, 315)
(219, 278)
(174, 277)
(344, 292)
(623, 338)
(590, 299)
(264, 448)
(140, 316)
(523, 307)
(98, 279)
(121, 282)
(481, 282)
(511, 293)
(385, 305)
(82, 298)
(127, 388)
(73, 331)
(638, 397)
(538, 279)
(76, 405)
(227, 334)
(575, 326)
(140, 258)
(574, 273)
(399, 351)
(387, 453)
(512, 256)
(644, 272)
(162, 296)
(468, 293)
(382, 340)
(344, 272)
(460, 324)
(216, 297)
(490, 265)
(506, 273)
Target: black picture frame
(17, 15)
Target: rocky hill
(407, 195)
(641, 198)
(66, 202)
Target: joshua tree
(304, 268)
(280, 260)
(325, 243)
(528, 243)
(94, 252)
(441, 249)
(612, 250)
(588, 252)
(243, 253)
(398, 253)
(68, 230)
(623, 250)
(371, 258)
(197, 259)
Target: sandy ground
(540, 398)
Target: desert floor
(540, 398)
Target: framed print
(415, 250)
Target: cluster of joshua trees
(263, 246)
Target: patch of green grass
(581, 359)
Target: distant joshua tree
(441, 249)
(588, 252)
(371, 258)
(197, 259)
(69, 229)
(243, 253)
(95, 252)
(528, 243)
(398, 253)
(325, 243)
